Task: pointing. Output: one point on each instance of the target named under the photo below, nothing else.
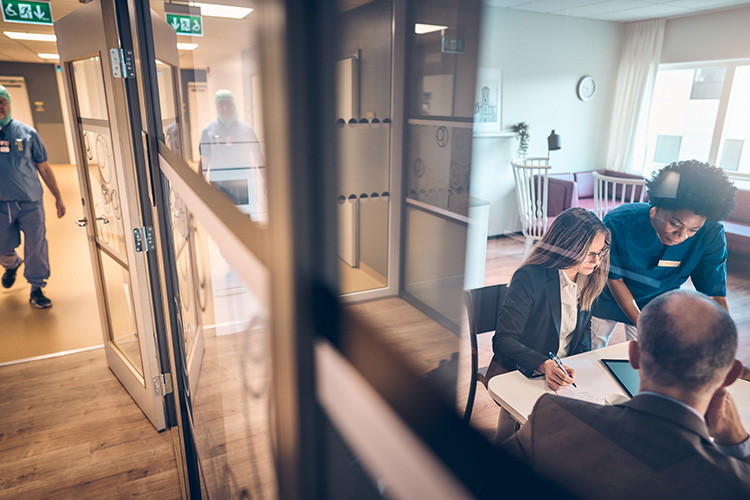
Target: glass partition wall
(291, 394)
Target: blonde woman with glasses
(547, 309)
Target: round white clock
(586, 88)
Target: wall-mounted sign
(185, 20)
(453, 43)
(186, 25)
(27, 12)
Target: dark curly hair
(693, 185)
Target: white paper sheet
(592, 384)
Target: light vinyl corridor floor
(73, 320)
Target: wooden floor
(69, 430)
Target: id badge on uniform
(19, 144)
(4, 147)
(669, 263)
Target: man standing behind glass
(231, 158)
(23, 159)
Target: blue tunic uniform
(21, 208)
(19, 178)
(232, 161)
(650, 268)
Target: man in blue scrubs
(231, 158)
(23, 159)
(656, 247)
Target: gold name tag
(669, 263)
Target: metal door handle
(83, 222)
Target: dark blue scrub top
(643, 262)
(21, 149)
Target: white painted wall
(708, 37)
(542, 57)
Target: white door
(109, 189)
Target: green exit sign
(27, 12)
(186, 24)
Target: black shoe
(9, 277)
(39, 300)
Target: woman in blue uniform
(657, 246)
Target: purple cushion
(562, 193)
(738, 236)
(585, 182)
(741, 212)
(564, 176)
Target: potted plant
(522, 129)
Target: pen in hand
(557, 361)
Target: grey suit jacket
(647, 448)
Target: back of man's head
(686, 340)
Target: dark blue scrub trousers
(26, 217)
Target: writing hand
(723, 420)
(556, 377)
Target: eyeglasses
(591, 257)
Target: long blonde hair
(566, 244)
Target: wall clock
(586, 88)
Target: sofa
(737, 225)
(576, 189)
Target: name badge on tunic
(19, 144)
(669, 263)
(4, 147)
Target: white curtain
(639, 63)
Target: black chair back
(483, 305)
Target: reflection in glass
(167, 103)
(231, 158)
(222, 131)
(120, 312)
(230, 404)
(363, 135)
(181, 231)
(439, 166)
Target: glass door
(190, 263)
(93, 74)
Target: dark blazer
(649, 447)
(528, 325)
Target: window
(698, 112)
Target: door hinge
(123, 63)
(163, 384)
(144, 238)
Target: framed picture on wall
(488, 102)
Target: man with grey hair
(680, 437)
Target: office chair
(483, 305)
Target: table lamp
(553, 142)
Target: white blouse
(569, 313)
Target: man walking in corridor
(23, 159)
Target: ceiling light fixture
(216, 10)
(37, 37)
(49, 56)
(421, 29)
(186, 46)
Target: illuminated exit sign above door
(27, 12)
(186, 25)
(184, 19)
